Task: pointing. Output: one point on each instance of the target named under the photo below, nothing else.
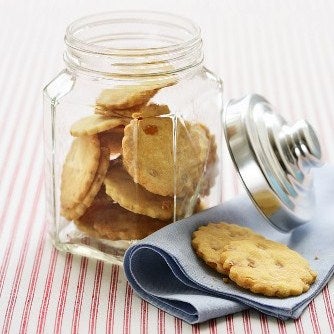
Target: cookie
(133, 197)
(267, 267)
(201, 136)
(123, 98)
(94, 124)
(79, 209)
(110, 221)
(211, 168)
(209, 241)
(80, 166)
(151, 110)
(150, 157)
(126, 113)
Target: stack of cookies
(134, 167)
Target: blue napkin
(164, 270)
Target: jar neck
(133, 44)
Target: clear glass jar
(132, 132)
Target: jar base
(73, 241)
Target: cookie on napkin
(253, 262)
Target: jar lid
(273, 159)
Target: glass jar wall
(132, 132)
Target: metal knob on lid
(273, 159)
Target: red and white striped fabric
(284, 52)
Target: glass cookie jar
(132, 132)
(133, 136)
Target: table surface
(282, 51)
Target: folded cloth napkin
(164, 270)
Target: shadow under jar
(132, 132)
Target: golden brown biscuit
(118, 100)
(267, 267)
(150, 157)
(124, 97)
(79, 209)
(141, 111)
(133, 197)
(126, 113)
(211, 168)
(151, 110)
(201, 136)
(80, 166)
(209, 241)
(110, 221)
(93, 124)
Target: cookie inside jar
(139, 166)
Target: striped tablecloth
(283, 50)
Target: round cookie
(209, 241)
(267, 267)
(126, 113)
(151, 110)
(211, 170)
(123, 97)
(119, 100)
(148, 155)
(110, 221)
(133, 197)
(93, 124)
(80, 208)
(80, 166)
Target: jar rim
(193, 31)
